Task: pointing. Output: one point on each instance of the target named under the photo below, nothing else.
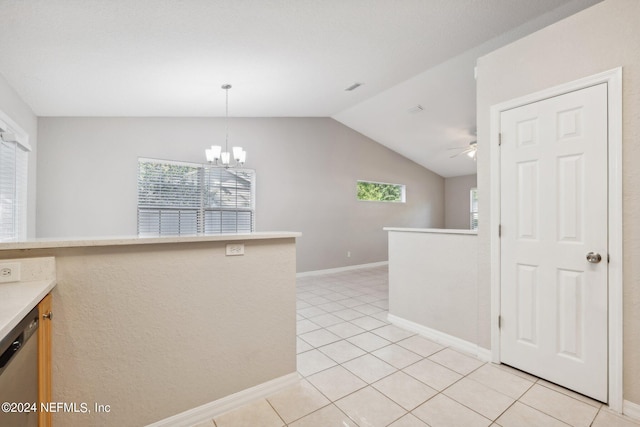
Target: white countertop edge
(135, 240)
(433, 230)
(18, 299)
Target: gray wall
(14, 107)
(457, 201)
(306, 171)
(600, 38)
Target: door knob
(594, 258)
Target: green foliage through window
(375, 191)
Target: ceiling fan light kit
(471, 150)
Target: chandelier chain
(215, 153)
(226, 115)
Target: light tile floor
(358, 370)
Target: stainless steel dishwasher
(19, 374)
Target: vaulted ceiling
(284, 58)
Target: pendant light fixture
(215, 153)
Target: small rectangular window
(381, 192)
(474, 209)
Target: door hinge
(500, 139)
(500, 230)
(499, 322)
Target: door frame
(613, 79)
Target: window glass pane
(212, 222)
(380, 192)
(13, 191)
(226, 188)
(165, 185)
(244, 221)
(474, 209)
(180, 198)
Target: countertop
(17, 299)
(135, 240)
(433, 230)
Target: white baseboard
(631, 410)
(442, 338)
(341, 269)
(484, 354)
(212, 409)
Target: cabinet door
(44, 359)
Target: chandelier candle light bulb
(239, 155)
(225, 158)
(213, 153)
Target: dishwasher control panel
(12, 343)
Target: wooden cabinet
(44, 359)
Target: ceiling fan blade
(468, 150)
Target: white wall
(14, 107)
(600, 38)
(433, 281)
(306, 170)
(457, 201)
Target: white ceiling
(284, 58)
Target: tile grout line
(371, 384)
(549, 415)
(368, 384)
(367, 352)
(594, 418)
(460, 403)
(347, 283)
(370, 352)
(569, 396)
(276, 411)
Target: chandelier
(215, 153)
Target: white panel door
(553, 213)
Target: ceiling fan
(470, 150)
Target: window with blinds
(14, 157)
(228, 202)
(474, 209)
(177, 198)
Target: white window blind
(177, 198)
(474, 209)
(228, 202)
(13, 186)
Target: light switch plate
(9, 272)
(235, 249)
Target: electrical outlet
(234, 249)
(9, 272)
